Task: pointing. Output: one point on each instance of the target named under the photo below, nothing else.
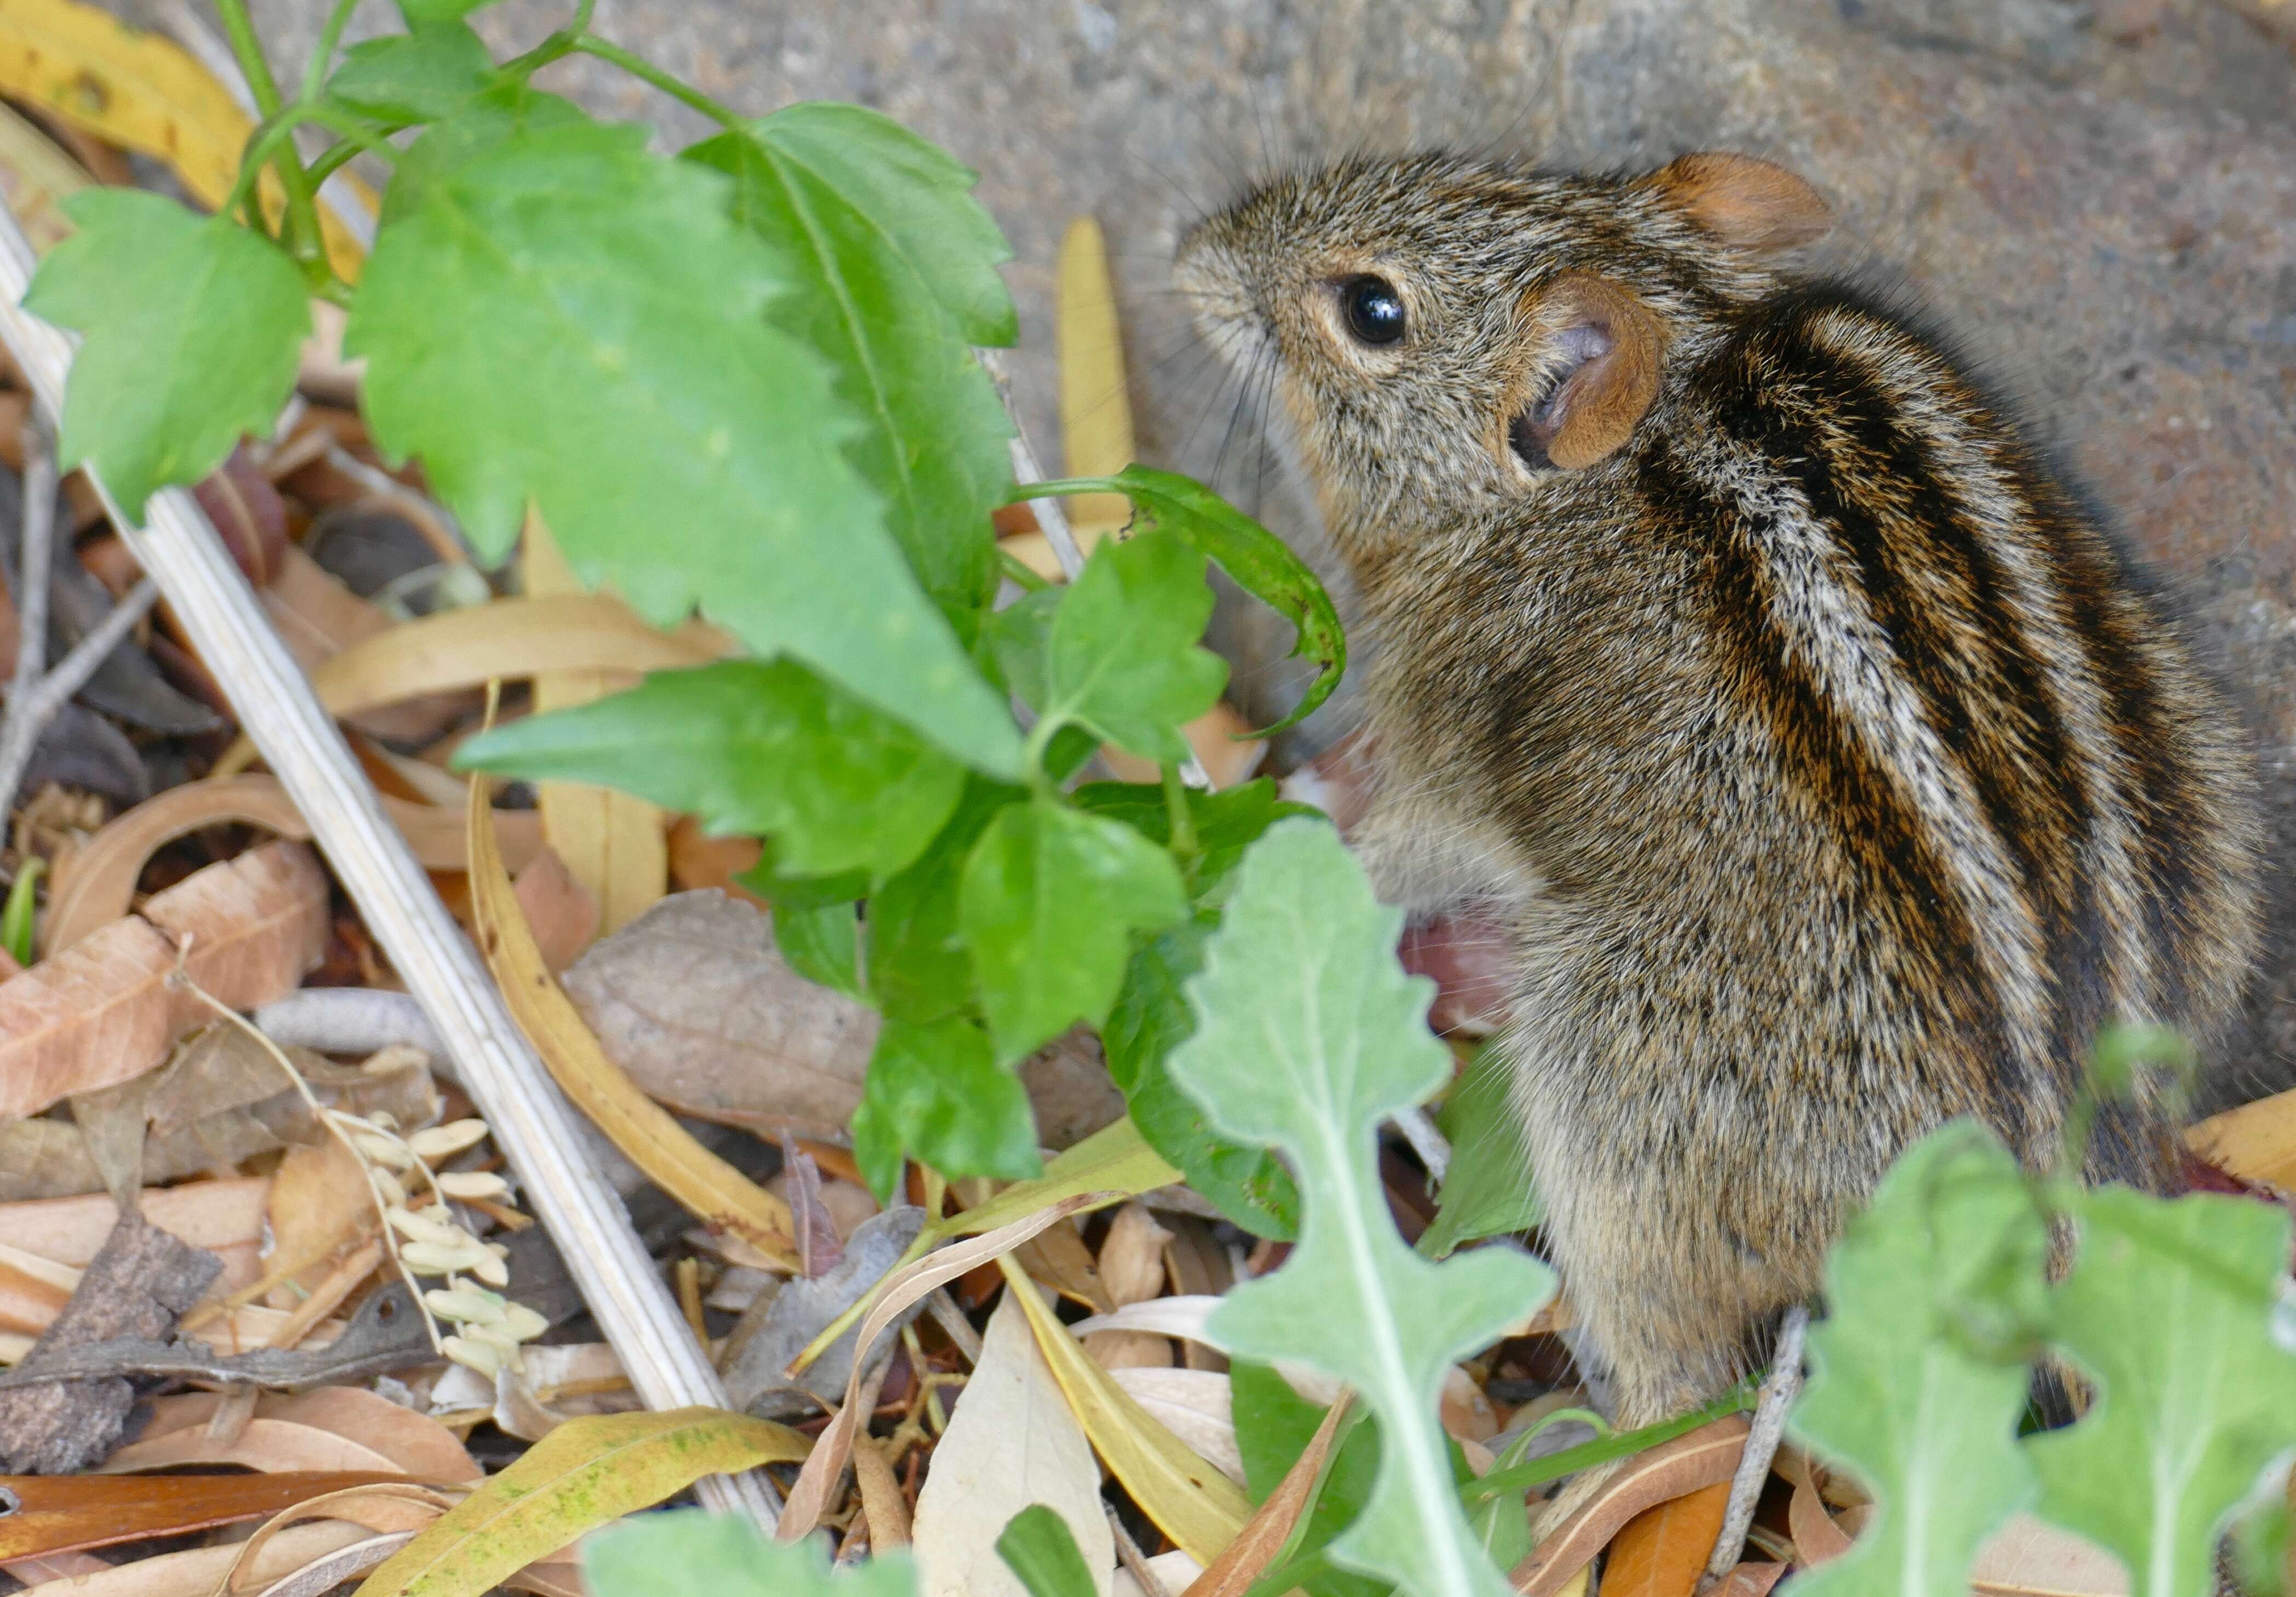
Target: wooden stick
(530, 1122)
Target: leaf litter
(1045, 1401)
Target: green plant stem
(303, 238)
(323, 56)
(1039, 744)
(1019, 572)
(1183, 818)
(645, 71)
(1601, 1450)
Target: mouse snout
(1212, 278)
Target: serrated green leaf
(567, 321)
(1120, 652)
(1151, 1017)
(1918, 1382)
(190, 329)
(840, 191)
(2169, 1306)
(1273, 1425)
(1487, 1192)
(823, 943)
(1038, 1547)
(1309, 1034)
(1227, 823)
(937, 1092)
(428, 72)
(1261, 564)
(1049, 901)
(753, 750)
(920, 967)
(918, 198)
(486, 120)
(685, 1551)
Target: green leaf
(418, 11)
(1273, 1425)
(1227, 823)
(752, 750)
(889, 252)
(1120, 652)
(16, 916)
(1918, 1375)
(1487, 1192)
(420, 76)
(565, 320)
(1151, 1017)
(1049, 900)
(2169, 1306)
(937, 1092)
(684, 1551)
(822, 944)
(1308, 1036)
(1261, 563)
(486, 121)
(1038, 1547)
(190, 326)
(920, 967)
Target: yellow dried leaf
(1095, 409)
(1201, 1509)
(583, 1474)
(140, 91)
(640, 1128)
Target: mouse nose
(1211, 276)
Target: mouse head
(1449, 335)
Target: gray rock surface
(2100, 198)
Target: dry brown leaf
(695, 1002)
(1663, 1551)
(1011, 1442)
(196, 1573)
(319, 1202)
(2256, 1141)
(223, 1217)
(888, 1510)
(102, 1011)
(698, 860)
(1818, 1539)
(1132, 1267)
(97, 885)
(1060, 1260)
(2029, 1557)
(318, 618)
(328, 1422)
(1749, 1580)
(60, 1513)
(1069, 1089)
(707, 1185)
(1671, 1470)
(562, 911)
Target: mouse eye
(1372, 308)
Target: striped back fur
(1835, 772)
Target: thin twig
(1131, 1559)
(1778, 1395)
(36, 697)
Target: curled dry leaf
(318, 618)
(1011, 1443)
(330, 1427)
(1688, 1463)
(1663, 1550)
(97, 885)
(1132, 1268)
(102, 1011)
(1749, 1580)
(562, 911)
(707, 1185)
(1265, 1534)
(694, 1001)
(1818, 1539)
(196, 1573)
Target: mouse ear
(1748, 204)
(1608, 344)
